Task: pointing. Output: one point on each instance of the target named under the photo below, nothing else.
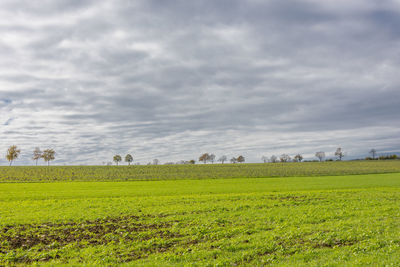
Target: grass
(309, 221)
(198, 171)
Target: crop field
(198, 171)
(302, 221)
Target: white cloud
(172, 80)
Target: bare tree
(274, 159)
(373, 153)
(48, 155)
(233, 160)
(285, 158)
(204, 158)
(264, 159)
(37, 154)
(12, 153)
(128, 158)
(339, 153)
(156, 162)
(117, 159)
(298, 158)
(320, 155)
(222, 159)
(240, 159)
(211, 158)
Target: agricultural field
(198, 171)
(283, 221)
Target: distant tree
(12, 154)
(128, 158)
(48, 155)
(274, 159)
(373, 153)
(37, 154)
(320, 155)
(233, 160)
(192, 161)
(156, 162)
(388, 157)
(222, 159)
(298, 158)
(264, 159)
(211, 158)
(284, 158)
(240, 159)
(339, 153)
(117, 159)
(204, 158)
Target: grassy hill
(348, 220)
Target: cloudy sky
(173, 79)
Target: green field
(310, 221)
(198, 171)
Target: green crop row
(200, 171)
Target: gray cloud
(173, 79)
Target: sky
(174, 79)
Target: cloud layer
(174, 79)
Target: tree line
(206, 157)
(118, 158)
(299, 158)
(211, 158)
(320, 155)
(47, 155)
